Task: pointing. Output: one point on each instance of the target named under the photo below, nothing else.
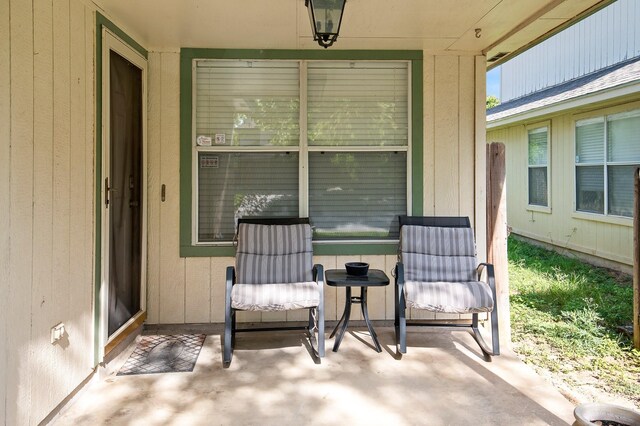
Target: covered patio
(396, 105)
(443, 379)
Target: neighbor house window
(607, 153)
(538, 154)
(324, 139)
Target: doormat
(176, 353)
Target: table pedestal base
(349, 300)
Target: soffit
(435, 26)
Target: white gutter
(589, 98)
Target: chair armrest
(399, 274)
(318, 276)
(489, 267)
(231, 277)
(231, 280)
(491, 277)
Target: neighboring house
(570, 120)
(226, 108)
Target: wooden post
(497, 234)
(636, 260)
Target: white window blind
(604, 183)
(252, 103)
(621, 190)
(590, 189)
(538, 146)
(538, 166)
(359, 194)
(358, 103)
(364, 106)
(623, 154)
(349, 171)
(538, 189)
(589, 141)
(234, 185)
(623, 134)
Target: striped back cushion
(432, 254)
(269, 254)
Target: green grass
(564, 317)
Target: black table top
(339, 278)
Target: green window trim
(187, 55)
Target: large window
(538, 169)
(324, 139)
(607, 152)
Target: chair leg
(233, 330)
(312, 327)
(403, 329)
(494, 335)
(229, 320)
(396, 319)
(321, 330)
(228, 339)
(319, 276)
(316, 325)
(229, 332)
(401, 321)
(400, 314)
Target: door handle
(106, 192)
(133, 203)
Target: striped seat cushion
(275, 297)
(269, 254)
(449, 297)
(433, 254)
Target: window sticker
(203, 141)
(209, 162)
(220, 139)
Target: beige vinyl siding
(172, 267)
(192, 290)
(46, 199)
(154, 185)
(5, 193)
(595, 235)
(21, 169)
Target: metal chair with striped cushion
(274, 271)
(438, 271)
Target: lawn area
(565, 316)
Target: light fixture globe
(326, 17)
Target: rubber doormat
(176, 353)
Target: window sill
(540, 209)
(595, 217)
(207, 251)
(324, 248)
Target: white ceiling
(432, 25)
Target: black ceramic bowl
(357, 269)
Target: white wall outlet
(57, 332)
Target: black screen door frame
(112, 43)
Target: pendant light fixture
(326, 17)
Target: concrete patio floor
(442, 380)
